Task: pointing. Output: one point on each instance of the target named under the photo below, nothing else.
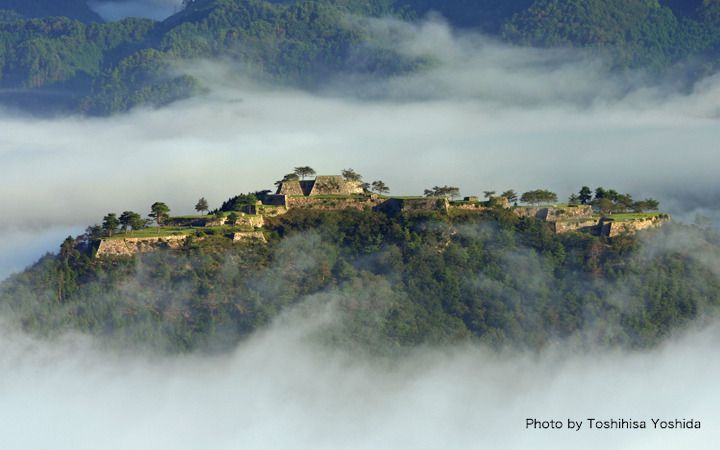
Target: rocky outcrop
(132, 246)
(249, 236)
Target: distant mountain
(72, 64)
(74, 9)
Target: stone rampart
(132, 246)
(249, 236)
(612, 228)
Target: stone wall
(249, 236)
(276, 200)
(321, 185)
(247, 220)
(552, 214)
(290, 188)
(581, 226)
(335, 185)
(131, 246)
(331, 204)
(612, 228)
(409, 205)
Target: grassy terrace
(415, 197)
(331, 196)
(205, 216)
(622, 217)
(154, 232)
(178, 231)
(553, 205)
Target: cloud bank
(120, 9)
(483, 116)
(280, 391)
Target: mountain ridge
(104, 68)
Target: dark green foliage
(106, 68)
(539, 196)
(238, 202)
(392, 282)
(75, 9)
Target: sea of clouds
(485, 116)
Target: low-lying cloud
(120, 9)
(279, 390)
(484, 116)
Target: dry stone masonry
(333, 192)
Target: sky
(484, 117)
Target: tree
(605, 205)
(287, 177)
(510, 195)
(648, 204)
(538, 196)
(93, 232)
(239, 202)
(489, 194)
(623, 202)
(201, 205)
(110, 223)
(380, 187)
(574, 200)
(232, 218)
(304, 171)
(130, 219)
(585, 195)
(351, 175)
(67, 248)
(159, 212)
(444, 191)
(600, 192)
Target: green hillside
(393, 282)
(74, 9)
(102, 68)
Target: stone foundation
(132, 246)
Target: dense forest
(391, 283)
(79, 64)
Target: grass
(178, 231)
(204, 216)
(549, 205)
(415, 197)
(154, 232)
(622, 217)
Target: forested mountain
(101, 68)
(392, 282)
(74, 9)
